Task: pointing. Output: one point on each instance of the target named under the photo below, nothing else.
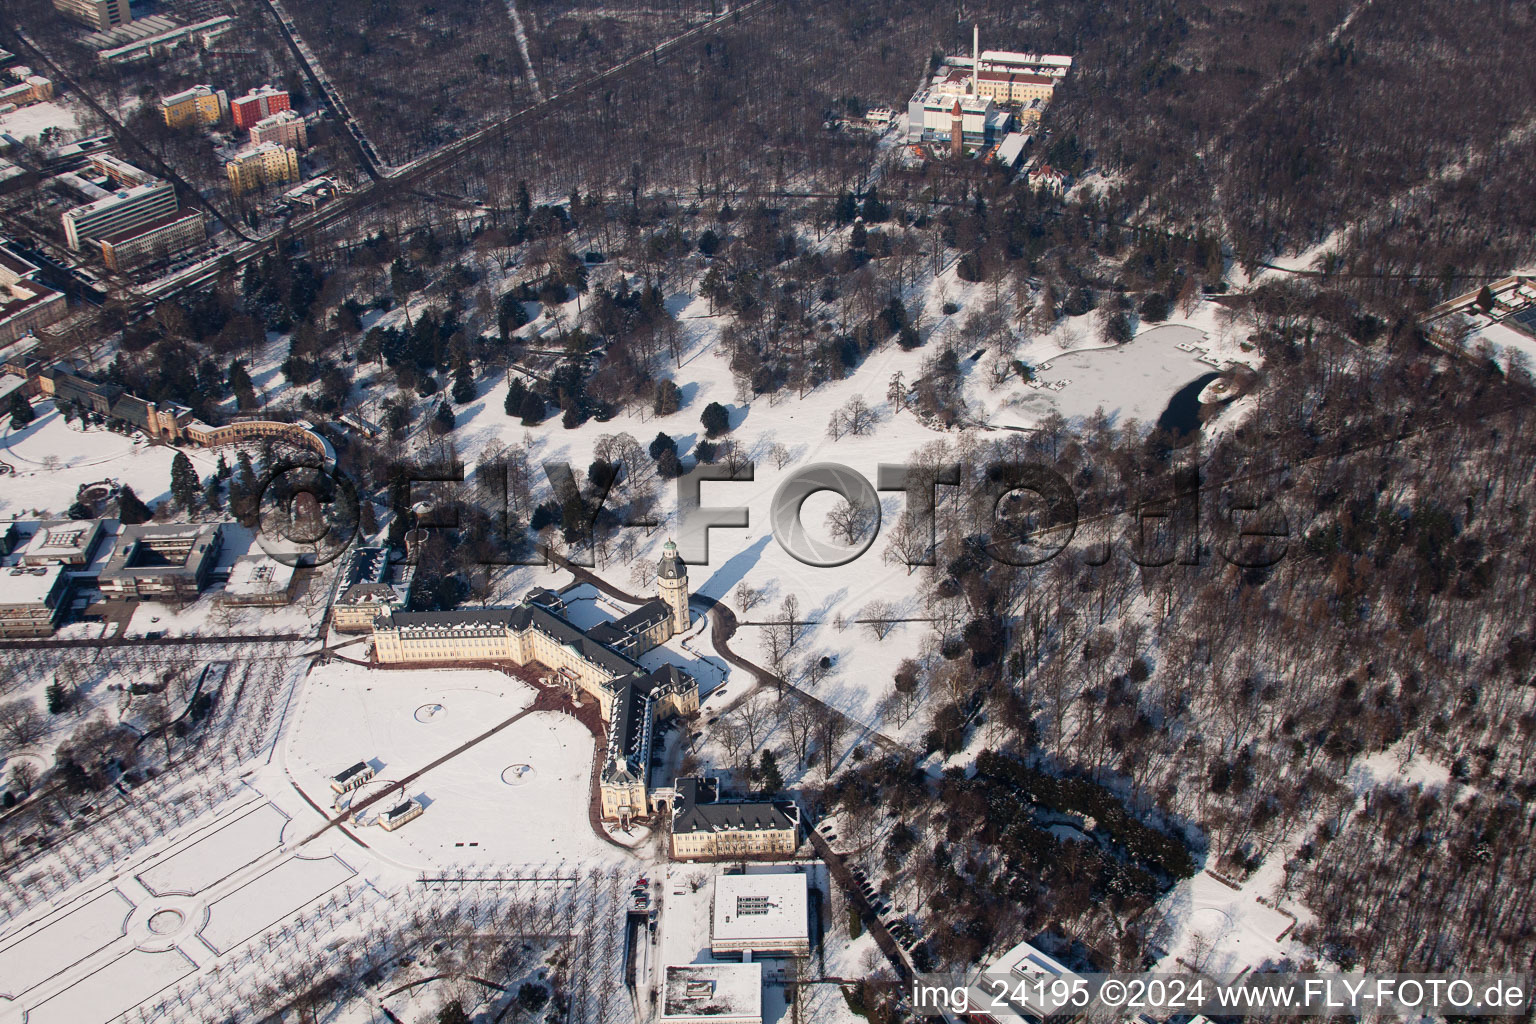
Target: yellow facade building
(199, 106)
(596, 664)
(266, 164)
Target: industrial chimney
(956, 131)
(976, 59)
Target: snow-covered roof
(729, 993)
(258, 575)
(1022, 961)
(770, 908)
(28, 584)
(1009, 150)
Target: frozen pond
(1130, 381)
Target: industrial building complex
(989, 102)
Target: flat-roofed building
(1026, 972)
(155, 36)
(162, 561)
(200, 105)
(282, 129)
(757, 915)
(122, 173)
(32, 599)
(933, 113)
(257, 104)
(118, 212)
(261, 165)
(97, 14)
(712, 994)
(258, 581)
(26, 304)
(156, 240)
(70, 542)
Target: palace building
(597, 663)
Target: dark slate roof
(366, 565)
(699, 809)
(629, 731)
(131, 410)
(546, 598)
(671, 566)
(625, 634)
(519, 618)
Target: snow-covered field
(52, 459)
(31, 121)
(221, 853)
(270, 898)
(401, 721)
(114, 989)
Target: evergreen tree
(874, 211)
(240, 385)
(463, 381)
(452, 1013)
(130, 509)
(662, 444)
(768, 773)
(533, 409)
(668, 399)
(58, 698)
(21, 410)
(846, 209)
(184, 483)
(1485, 299)
(516, 394)
(211, 492)
(715, 419)
(442, 420)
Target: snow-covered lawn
(114, 989)
(519, 797)
(63, 942)
(218, 855)
(269, 898)
(1222, 930)
(52, 459)
(32, 120)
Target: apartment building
(285, 128)
(258, 104)
(97, 14)
(265, 164)
(200, 106)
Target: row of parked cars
(894, 923)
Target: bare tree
(789, 615)
(21, 722)
(879, 617)
(748, 596)
(799, 723)
(850, 520)
(830, 726)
